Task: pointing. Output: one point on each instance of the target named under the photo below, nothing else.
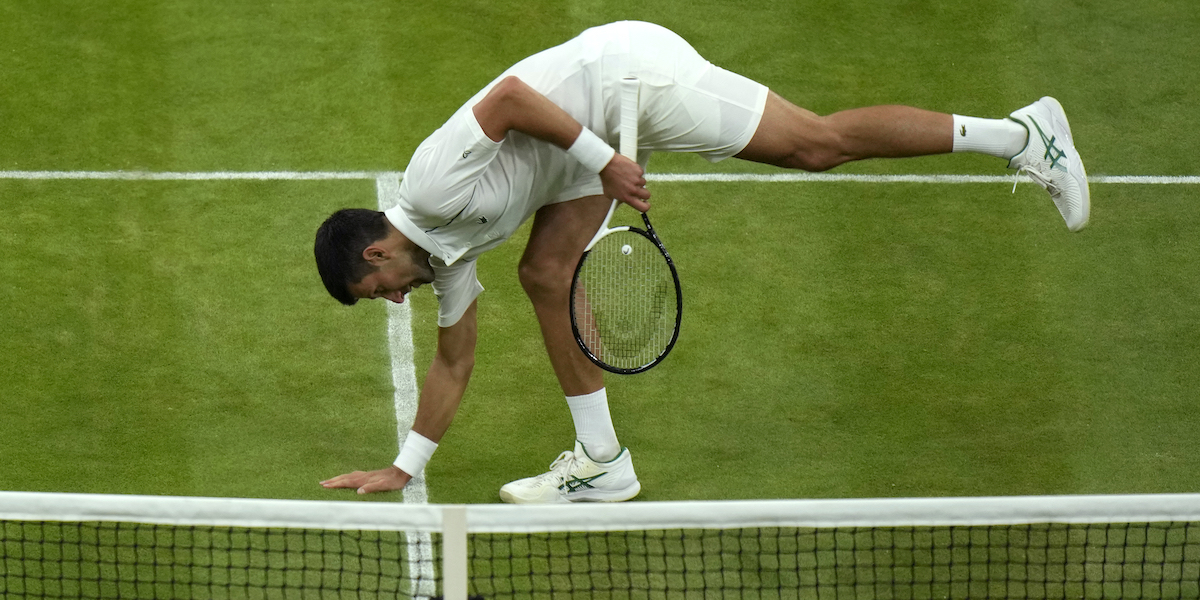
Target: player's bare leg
(792, 137)
(560, 233)
(795, 138)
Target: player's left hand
(382, 480)
(624, 180)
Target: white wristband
(591, 151)
(416, 451)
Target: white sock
(594, 426)
(1002, 138)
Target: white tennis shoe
(1050, 159)
(575, 477)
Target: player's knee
(542, 278)
(821, 149)
(813, 160)
(814, 148)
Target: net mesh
(1146, 560)
(624, 301)
(142, 560)
(638, 550)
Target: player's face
(395, 278)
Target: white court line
(855, 178)
(198, 175)
(404, 379)
(663, 177)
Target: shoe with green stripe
(1049, 159)
(575, 477)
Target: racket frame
(651, 235)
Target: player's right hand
(624, 180)
(366, 482)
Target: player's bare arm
(513, 105)
(448, 376)
(445, 384)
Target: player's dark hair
(341, 240)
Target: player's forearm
(445, 384)
(448, 376)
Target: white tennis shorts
(687, 103)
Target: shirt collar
(416, 235)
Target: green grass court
(840, 339)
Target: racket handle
(629, 135)
(629, 117)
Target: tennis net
(84, 546)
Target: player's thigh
(789, 136)
(559, 234)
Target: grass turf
(840, 339)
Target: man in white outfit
(538, 142)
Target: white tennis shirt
(464, 194)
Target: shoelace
(1038, 177)
(560, 467)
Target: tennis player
(538, 142)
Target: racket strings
(625, 301)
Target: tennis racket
(625, 299)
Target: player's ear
(376, 255)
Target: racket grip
(630, 87)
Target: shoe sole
(607, 495)
(621, 495)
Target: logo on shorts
(482, 220)
(466, 154)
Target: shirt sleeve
(456, 287)
(446, 169)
